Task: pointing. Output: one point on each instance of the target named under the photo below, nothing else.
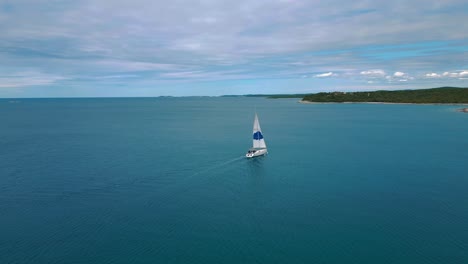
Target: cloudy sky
(55, 48)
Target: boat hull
(256, 153)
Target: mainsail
(258, 140)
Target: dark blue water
(163, 181)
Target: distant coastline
(460, 104)
(442, 95)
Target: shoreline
(309, 102)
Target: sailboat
(259, 147)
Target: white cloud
(321, 75)
(432, 75)
(463, 74)
(459, 75)
(29, 78)
(374, 73)
(399, 74)
(450, 74)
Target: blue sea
(164, 180)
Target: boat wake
(217, 166)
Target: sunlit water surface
(164, 180)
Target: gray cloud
(235, 39)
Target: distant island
(442, 95)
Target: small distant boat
(259, 147)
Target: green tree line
(434, 95)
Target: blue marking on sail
(257, 135)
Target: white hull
(255, 153)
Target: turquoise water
(163, 180)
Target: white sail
(258, 140)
